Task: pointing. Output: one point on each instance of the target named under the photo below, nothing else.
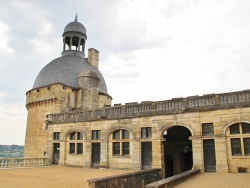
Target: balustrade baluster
(2, 163)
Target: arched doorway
(178, 156)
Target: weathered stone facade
(78, 126)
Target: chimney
(93, 57)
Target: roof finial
(76, 19)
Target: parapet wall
(148, 108)
(129, 180)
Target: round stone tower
(70, 82)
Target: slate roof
(65, 70)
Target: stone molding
(52, 101)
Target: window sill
(208, 136)
(73, 154)
(121, 156)
(241, 157)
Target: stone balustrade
(148, 108)
(23, 162)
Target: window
(239, 135)
(245, 128)
(56, 136)
(125, 148)
(72, 148)
(235, 129)
(246, 145)
(121, 145)
(146, 132)
(116, 148)
(116, 135)
(79, 148)
(76, 143)
(96, 135)
(236, 146)
(73, 136)
(207, 129)
(79, 136)
(125, 134)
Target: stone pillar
(83, 46)
(104, 154)
(78, 46)
(197, 149)
(70, 43)
(157, 154)
(221, 154)
(64, 44)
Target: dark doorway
(178, 156)
(146, 155)
(56, 153)
(96, 152)
(209, 155)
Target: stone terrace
(52, 176)
(68, 177)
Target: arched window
(76, 143)
(239, 135)
(121, 139)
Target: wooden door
(209, 155)
(96, 153)
(146, 155)
(56, 153)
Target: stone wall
(40, 103)
(130, 180)
(221, 119)
(222, 110)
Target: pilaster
(157, 153)
(197, 149)
(221, 154)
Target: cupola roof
(67, 68)
(75, 26)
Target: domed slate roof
(75, 27)
(65, 70)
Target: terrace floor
(68, 177)
(53, 176)
(216, 180)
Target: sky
(150, 50)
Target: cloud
(156, 48)
(198, 47)
(13, 119)
(4, 38)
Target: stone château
(72, 122)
